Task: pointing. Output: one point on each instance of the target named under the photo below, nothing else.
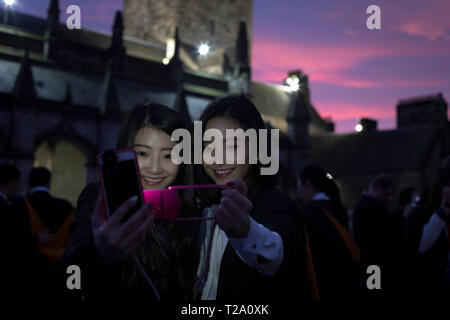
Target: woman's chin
(159, 186)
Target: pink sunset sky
(353, 71)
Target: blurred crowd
(410, 245)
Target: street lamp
(359, 127)
(9, 2)
(293, 82)
(203, 49)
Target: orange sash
(310, 269)
(351, 245)
(55, 250)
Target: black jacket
(52, 211)
(373, 232)
(237, 281)
(99, 281)
(30, 275)
(379, 235)
(426, 271)
(337, 272)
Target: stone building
(410, 154)
(62, 92)
(215, 22)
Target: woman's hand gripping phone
(116, 241)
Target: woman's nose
(154, 166)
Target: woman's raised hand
(232, 214)
(115, 241)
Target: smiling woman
(153, 148)
(103, 249)
(255, 247)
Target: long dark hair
(241, 109)
(317, 176)
(323, 183)
(175, 257)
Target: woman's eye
(141, 153)
(167, 156)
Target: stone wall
(429, 111)
(212, 21)
(71, 141)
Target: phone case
(102, 186)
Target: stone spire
(298, 110)
(298, 115)
(226, 66)
(175, 59)
(108, 101)
(24, 88)
(176, 72)
(181, 107)
(298, 126)
(117, 50)
(53, 15)
(242, 64)
(52, 31)
(239, 81)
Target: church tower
(214, 22)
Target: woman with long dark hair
(314, 180)
(254, 247)
(163, 251)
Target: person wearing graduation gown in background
(334, 254)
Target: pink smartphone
(119, 179)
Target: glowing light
(359, 127)
(203, 49)
(329, 176)
(165, 60)
(293, 83)
(9, 2)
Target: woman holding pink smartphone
(138, 258)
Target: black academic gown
(7, 250)
(370, 222)
(424, 274)
(99, 281)
(337, 272)
(52, 211)
(239, 282)
(378, 234)
(26, 275)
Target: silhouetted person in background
(427, 242)
(52, 216)
(52, 211)
(9, 181)
(376, 232)
(407, 201)
(17, 243)
(334, 255)
(335, 199)
(40, 227)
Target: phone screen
(121, 182)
